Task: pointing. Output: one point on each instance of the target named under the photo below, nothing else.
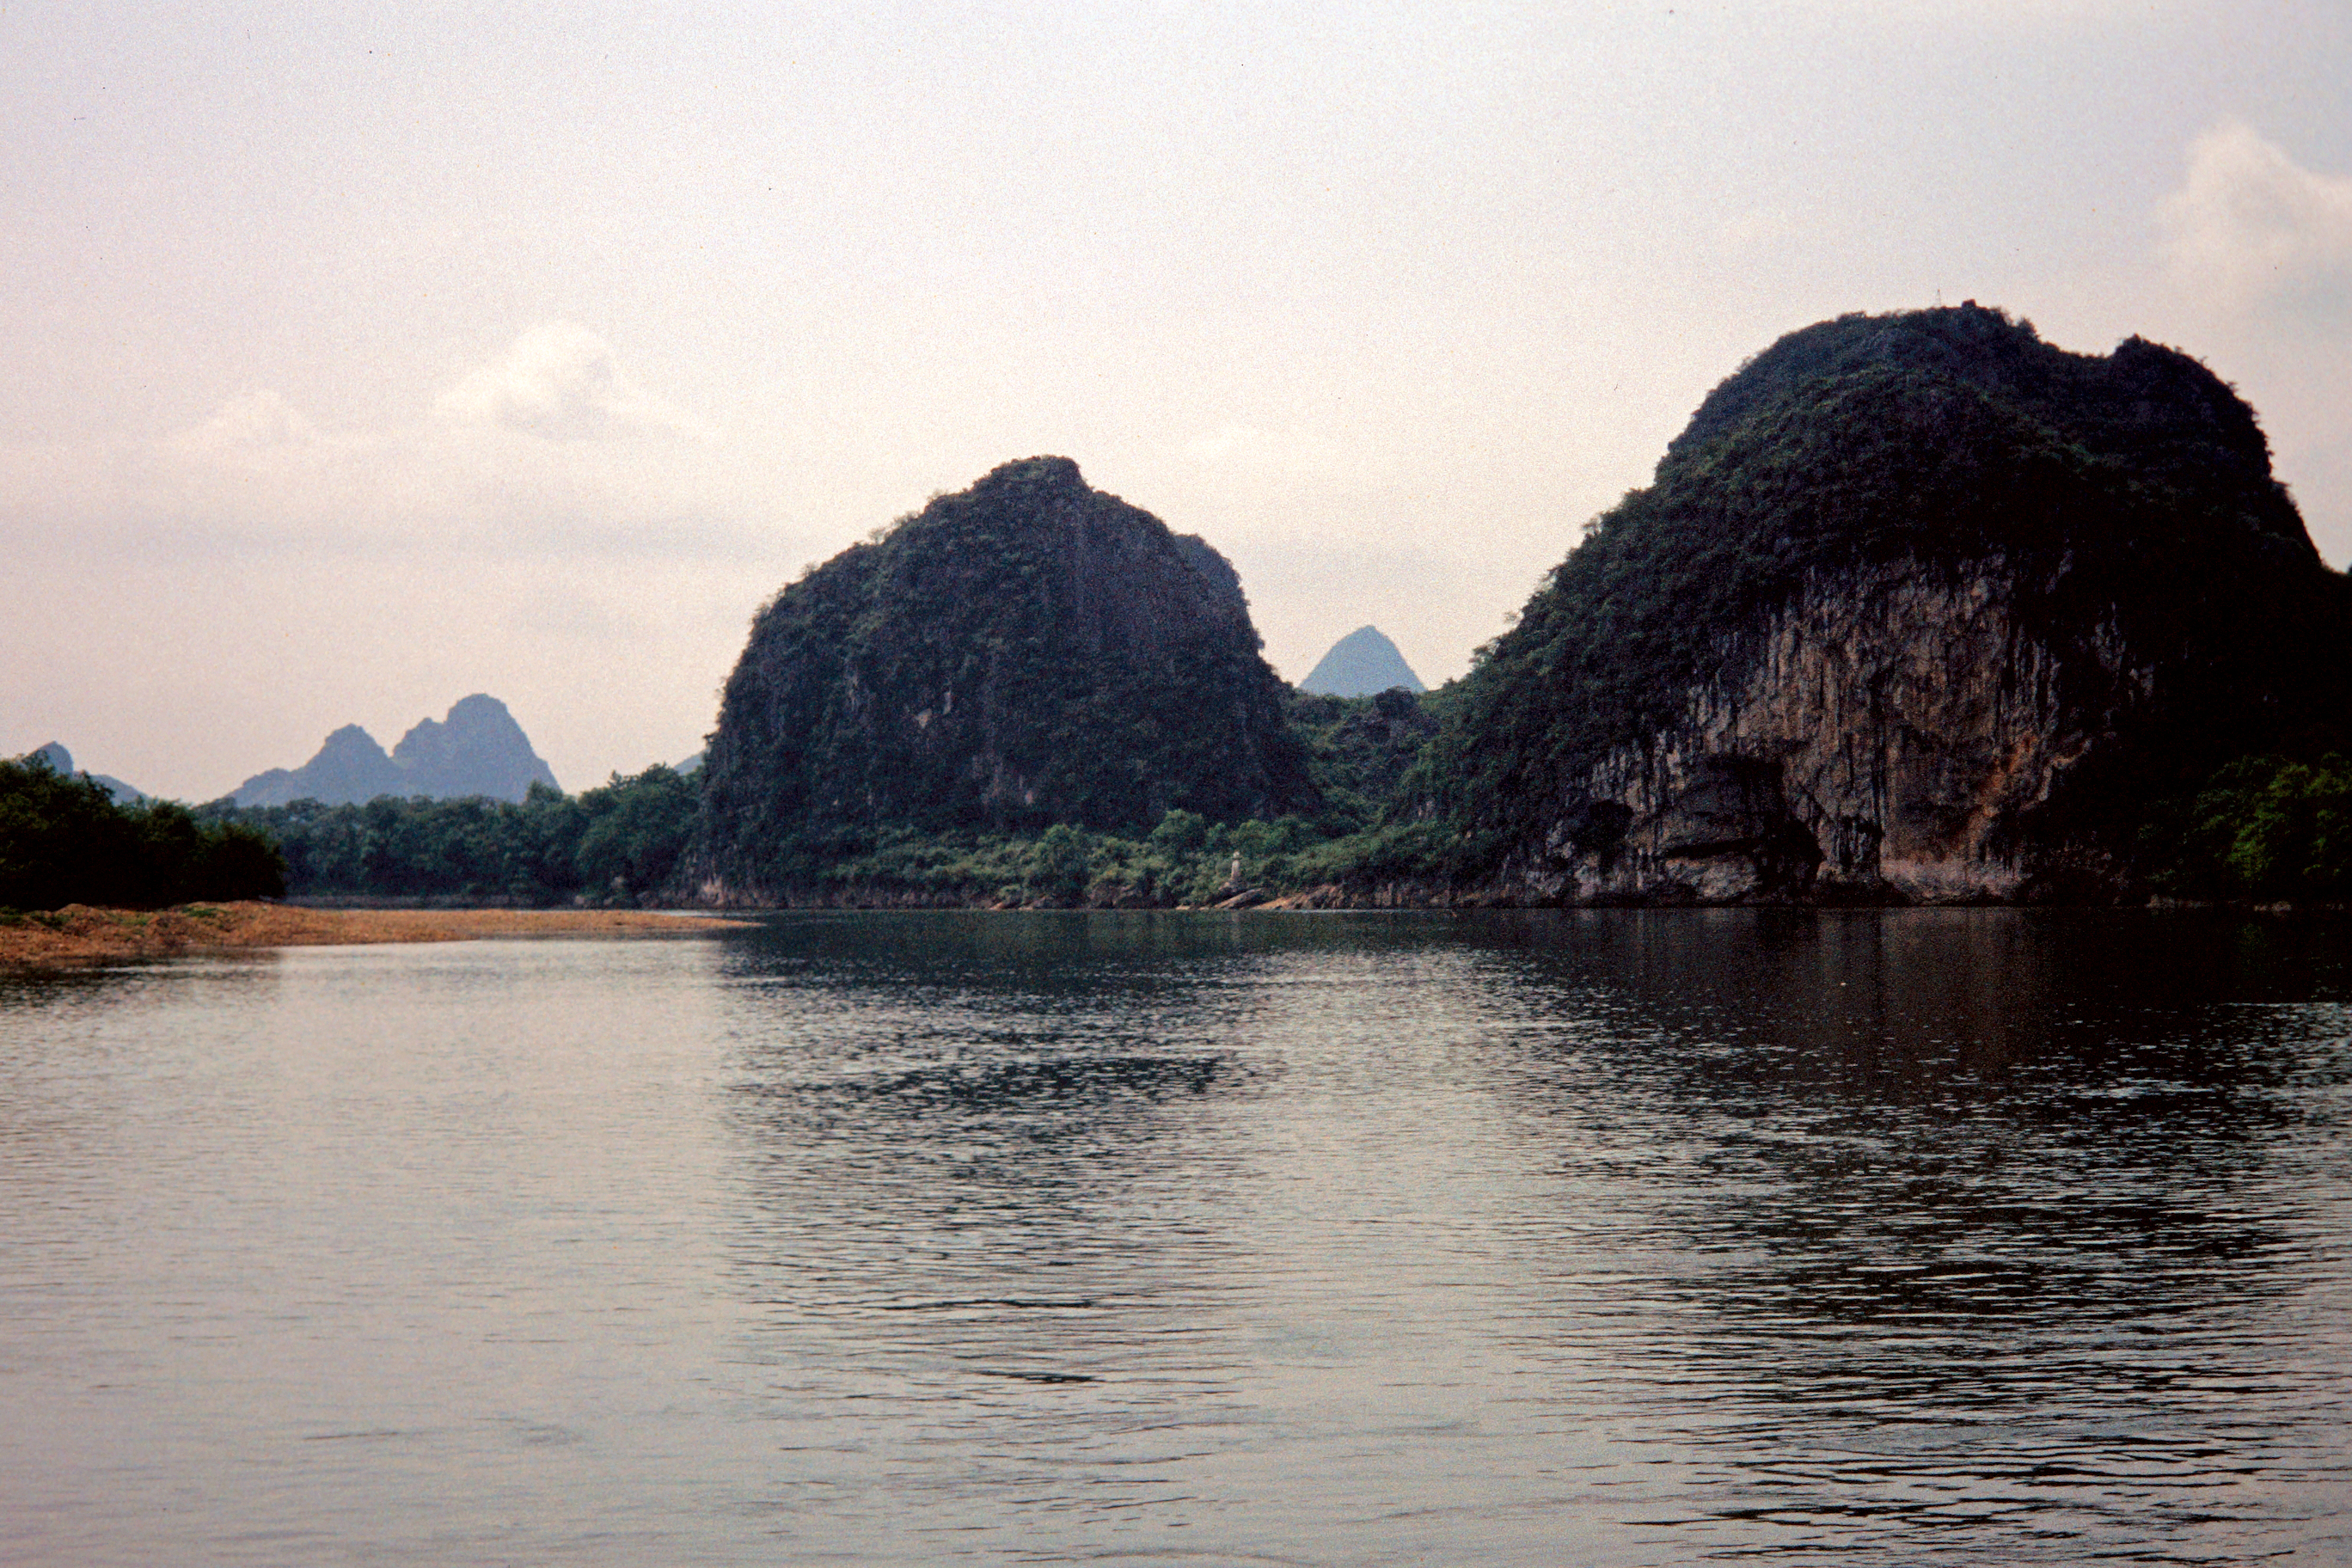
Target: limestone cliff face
(1893, 732)
(1918, 608)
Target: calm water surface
(1629, 1237)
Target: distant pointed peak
(1362, 664)
(57, 760)
(352, 735)
(478, 750)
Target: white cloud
(2249, 225)
(560, 382)
(252, 424)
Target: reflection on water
(1610, 1238)
(1984, 1227)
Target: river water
(1927, 1236)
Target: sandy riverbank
(78, 935)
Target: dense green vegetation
(1186, 859)
(1360, 749)
(1026, 653)
(614, 845)
(2130, 495)
(1358, 752)
(63, 840)
(2265, 828)
(1367, 834)
(620, 843)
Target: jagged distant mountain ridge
(477, 750)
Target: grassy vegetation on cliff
(1025, 653)
(2129, 496)
(1361, 749)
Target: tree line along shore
(2262, 830)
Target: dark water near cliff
(1901, 1238)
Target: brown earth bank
(79, 934)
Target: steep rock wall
(1893, 734)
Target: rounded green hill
(1028, 651)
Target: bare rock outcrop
(1892, 733)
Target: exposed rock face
(1892, 733)
(478, 750)
(1027, 652)
(1919, 608)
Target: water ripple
(1626, 1238)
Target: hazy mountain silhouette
(1358, 664)
(477, 750)
(62, 761)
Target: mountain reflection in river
(1609, 1237)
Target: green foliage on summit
(1025, 653)
(2130, 496)
(63, 840)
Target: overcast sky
(361, 358)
